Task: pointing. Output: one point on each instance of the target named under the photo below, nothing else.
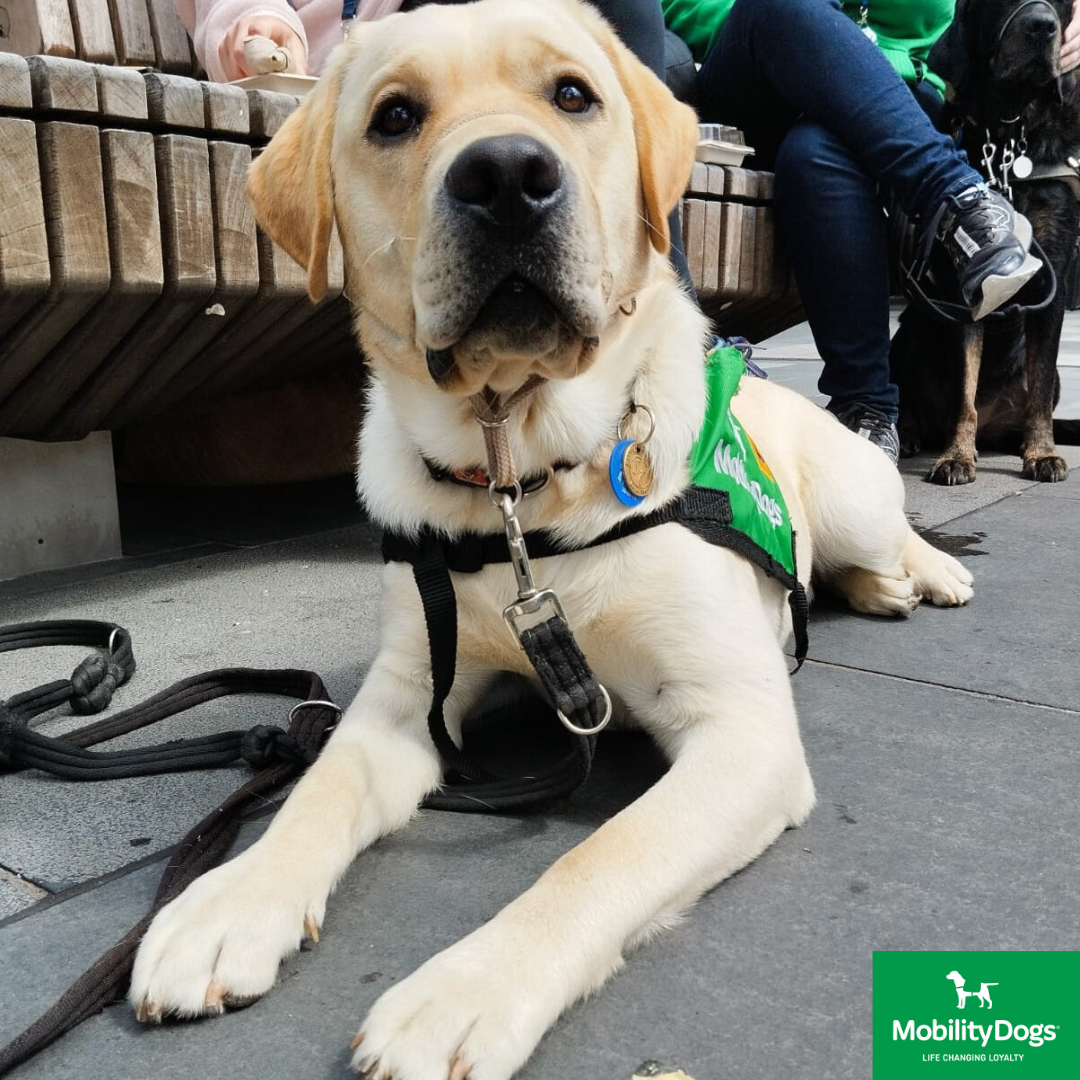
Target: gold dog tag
(637, 470)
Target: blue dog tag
(615, 474)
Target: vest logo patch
(733, 465)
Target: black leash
(278, 754)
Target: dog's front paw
(220, 942)
(1046, 468)
(952, 470)
(471, 1011)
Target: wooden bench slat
(39, 27)
(60, 85)
(171, 43)
(74, 202)
(121, 94)
(16, 93)
(132, 32)
(199, 349)
(42, 402)
(187, 231)
(93, 31)
(175, 101)
(25, 273)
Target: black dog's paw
(910, 445)
(1046, 468)
(951, 471)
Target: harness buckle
(526, 606)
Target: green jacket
(906, 29)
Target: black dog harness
(580, 701)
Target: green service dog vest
(725, 458)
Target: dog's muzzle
(509, 268)
(1028, 45)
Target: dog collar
(477, 477)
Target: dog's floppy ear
(949, 57)
(666, 132)
(290, 183)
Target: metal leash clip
(530, 600)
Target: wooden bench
(132, 275)
(131, 33)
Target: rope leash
(278, 754)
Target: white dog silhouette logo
(983, 993)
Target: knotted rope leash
(279, 755)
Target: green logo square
(969, 1014)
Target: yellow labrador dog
(500, 174)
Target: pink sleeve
(209, 21)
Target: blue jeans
(829, 114)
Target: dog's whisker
(650, 225)
(385, 247)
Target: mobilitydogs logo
(923, 1014)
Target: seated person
(834, 97)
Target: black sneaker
(872, 424)
(988, 242)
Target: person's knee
(768, 13)
(812, 156)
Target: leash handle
(207, 844)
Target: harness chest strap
(705, 512)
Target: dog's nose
(1040, 22)
(508, 179)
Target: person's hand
(231, 50)
(1070, 48)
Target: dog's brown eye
(396, 117)
(573, 96)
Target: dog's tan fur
(707, 678)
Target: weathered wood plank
(175, 101)
(39, 26)
(227, 109)
(25, 275)
(60, 85)
(214, 332)
(729, 260)
(15, 89)
(93, 31)
(694, 235)
(121, 94)
(53, 399)
(132, 32)
(710, 265)
(187, 232)
(269, 111)
(74, 201)
(170, 38)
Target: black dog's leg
(957, 464)
(1041, 459)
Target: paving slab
(12, 899)
(307, 603)
(1018, 638)
(943, 822)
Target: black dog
(999, 378)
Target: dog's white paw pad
(218, 944)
